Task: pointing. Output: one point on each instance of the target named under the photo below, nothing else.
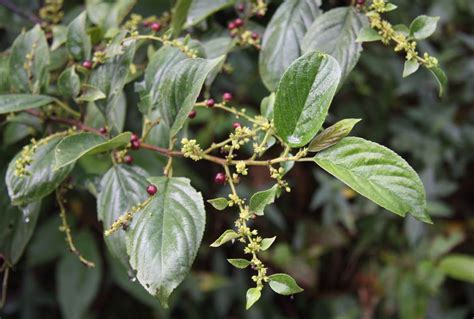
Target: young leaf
(458, 266)
(252, 296)
(73, 279)
(259, 200)
(441, 78)
(201, 9)
(219, 203)
(284, 284)
(164, 236)
(367, 34)
(377, 173)
(20, 102)
(108, 15)
(42, 179)
(78, 41)
(282, 38)
(410, 67)
(73, 147)
(226, 236)
(298, 117)
(335, 33)
(423, 26)
(180, 88)
(239, 263)
(266, 243)
(180, 12)
(267, 106)
(92, 94)
(69, 84)
(36, 77)
(59, 36)
(121, 188)
(332, 135)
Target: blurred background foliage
(353, 259)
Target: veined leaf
(78, 41)
(20, 102)
(335, 33)
(252, 296)
(332, 135)
(226, 236)
(367, 34)
(377, 173)
(410, 67)
(267, 243)
(69, 84)
(201, 9)
(284, 284)
(441, 78)
(260, 200)
(108, 15)
(219, 203)
(239, 263)
(73, 147)
(303, 97)
(180, 12)
(282, 38)
(164, 236)
(423, 26)
(59, 36)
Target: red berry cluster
(135, 142)
(237, 23)
(154, 26)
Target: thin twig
(4, 287)
(21, 12)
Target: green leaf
(458, 266)
(16, 226)
(69, 84)
(20, 102)
(410, 67)
(73, 279)
(260, 200)
(284, 284)
(180, 88)
(335, 33)
(59, 36)
(46, 244)
(164, 237)
(216, 47)
(121, 188)
(42, 181)
(239, 263)
(114, 119)
(266, 243)
(92, 94)
(78, 41)
(31, 43)
(402, 29)
(423, 26)
(219, 203)
(267, 106)
(4, 74)
(252, 296)
(282, 38)
(377, 173)
(367, 34)
(73, 147)
(303, 97)
(332, 135)
(226, 236)
(201, 9)
(108, 15)
(441, 78)
(180, 12)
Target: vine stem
(4, 287)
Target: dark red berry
(102, 130)
(241, 7)
(360, 2)
(210, 102)
(151, 190)
(155, 26)
(231, 26)
(220, 178)
(135, 144)
(238, 22)
(128, 159)
(192, 114)
(236, 125)
(87, 64)
(255, 35)
(227, 97)
(134, 137)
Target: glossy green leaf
(36, 79)
(335, 33)
(69, 84)
(108, 15)
(59, 36)
(252, 296)
(266, 243)
(367, 34)
(423, 26)
(410, 67)
(215, 48)
(441, 78)
(201, 9)
(267, 106)
(20, 102)
(121, 188)
(73, 147)
(284, 284)
(164, 237)
(78, 41)
(282, 38)
(91, 94)
(303, 97)
(114, 119)
(225, 237)
(219, 203)
(180, 88)
(4, 74)
(47, 243)
(76, 284)
(377, 173)
(458, 266)
(332, 135)
(43, 179)
(180, 12)
(260, 200)
(239, 263)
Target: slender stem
(68, 109)
(4, 287)
(21, 12)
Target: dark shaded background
(354, 259)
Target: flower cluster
(124, 220)
(51, 12)
(191, 149)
